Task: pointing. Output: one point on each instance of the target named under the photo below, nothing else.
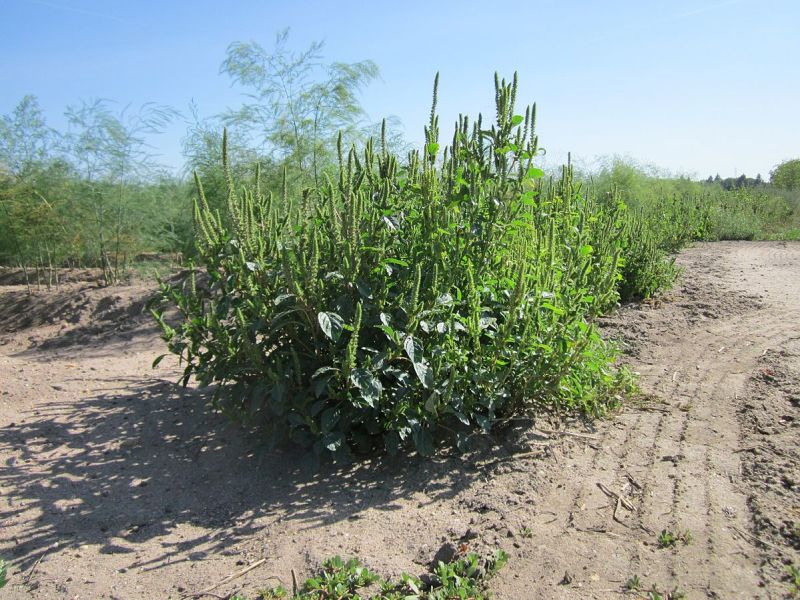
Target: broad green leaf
(487, 322)
(461, 417)
(413, 348)
(516, 120)
(396, 261)
(364, 289)
(322, 378)
(328, 371)
(432, 403)
(535, 173)
(328, 419)
(445, 299)
(332, 325)
(424, 373)
(333, 441)
(555, 309)
(369, 385)
(390, 333)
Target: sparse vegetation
(634, 584)
(465, 577)
(794, 580)
(3, 573)
(669, 539)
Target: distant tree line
(785, 176)
(735, 183)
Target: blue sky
(696, 87)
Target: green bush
(647, 268)
(405, 301)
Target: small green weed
(341, 579)
(3, 573)
(655, 594)
(794, 581)
(669, 539)
(633, 584)
(526, 532)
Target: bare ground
(116, 483)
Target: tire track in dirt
(677, 457)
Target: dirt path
(681, 459)
(114, 483)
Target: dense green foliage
(666, 214)
(718, 209)
(406, 300)
(465, 578)
(786, 175)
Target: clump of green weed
(794, 580)
(3, 573)
(654, 593)
(342, 579)
(634, 584)
(646, 266)
(669, 539)
(405, 300)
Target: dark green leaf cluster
(404, 301)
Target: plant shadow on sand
(116, 469)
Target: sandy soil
(116, 483)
